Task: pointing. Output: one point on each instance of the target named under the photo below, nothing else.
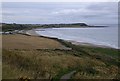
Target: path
(67, 76)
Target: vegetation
(89, 62)
(19, 41)
(14, 26)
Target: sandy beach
(88, 44)
(32, 32)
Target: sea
(106, 36)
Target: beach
(34, 33)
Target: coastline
(89, 44)
(33, 33)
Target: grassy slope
(90, 62)
(29, 42)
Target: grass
(52, 63)
(108, 55)
(62, 72)
(96, 73)
(29, 42)
(48, 63)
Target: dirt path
(67, 76)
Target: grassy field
(23, 58)
(19, 41)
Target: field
(27, 56)
(19, 41)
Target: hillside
(14, 26)
(31, 62)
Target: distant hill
(67, 25)
(14, 26)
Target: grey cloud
(59, 12)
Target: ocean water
(107, 36)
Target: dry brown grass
(103, 72)
(47, 63)
(29, 42)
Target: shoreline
(89, 44)
(33, 33)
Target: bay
(107, 36)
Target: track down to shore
(67, 76)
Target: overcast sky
(60, 0)
(65, 12)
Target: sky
(60, 12)
(60, 0)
